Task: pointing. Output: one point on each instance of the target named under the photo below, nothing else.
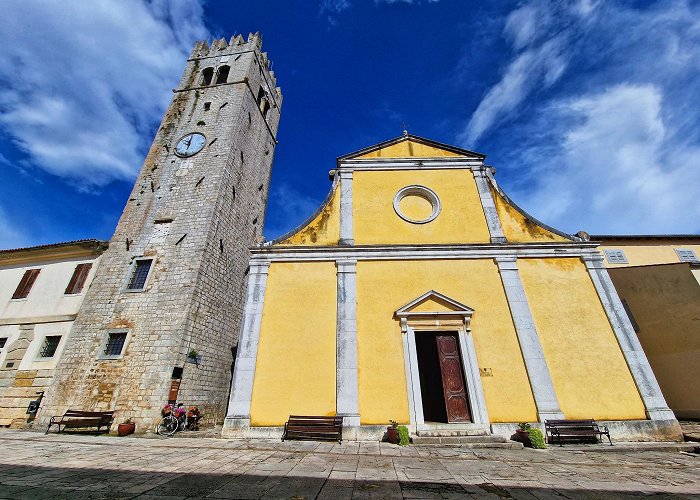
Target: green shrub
(536, 438)
(404, 436)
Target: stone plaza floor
(75, 466)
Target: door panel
(452, 380)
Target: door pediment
(434, 308)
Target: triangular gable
(408, 146)
(433, 302)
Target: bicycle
(178, 419)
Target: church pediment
(412, 146)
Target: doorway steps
(464, 438)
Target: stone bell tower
(161, 318)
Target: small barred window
(50, 345)
(686, 255)
(616, 257)
(115, 344)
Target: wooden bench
(80, 419)
(574, 430)
(315, 428)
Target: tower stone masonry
(197, 206)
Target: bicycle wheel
(167, 426)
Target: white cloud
(610, 172)
(537, 67)
(614, 146)
(85, 83)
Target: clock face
(189, 145)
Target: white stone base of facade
(239, 428)
(620, 430)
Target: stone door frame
(454, 321)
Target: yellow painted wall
(461, 219)
(519, 229)
(295, 369)
(324, 230)
(384, 286)
(407, 149)
(644, 253)
(665, 303)
(589, 372)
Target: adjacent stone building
(433, 300)
(161, 318)
(41, 291)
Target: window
(222, 74)
(207, 106)
(115, 344)
(50, 345)
(3, 341)
(207, 75)
(140, 274)
(265, 108)
(77, 281)
(26, 284)
(616, 257)
(686, 255)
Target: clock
(190, 145)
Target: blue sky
(589, 109)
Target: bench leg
(609, 439)
(49, 427)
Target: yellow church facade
(420, 293)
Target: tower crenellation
(171, 282)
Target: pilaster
(648, 387)
(488, 205)
(535, 363)
(244, 371)
(347, 400)
(346, 223)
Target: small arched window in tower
(207, 75)
(222, 74)
(264, 108)
(261, 95)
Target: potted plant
(522, 432)
(392, 432)
(126, 427)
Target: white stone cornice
(278, 253)
(409, 164)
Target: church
(418, 292)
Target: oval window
(417, 204)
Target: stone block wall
(196, 218)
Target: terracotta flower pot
(126, 429)
(392, 434)
(523, 436)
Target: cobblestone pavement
(82, 466)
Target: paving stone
(75, 466)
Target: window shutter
(25, 284)
(77, 281)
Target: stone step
(468, 442)
(452, 432)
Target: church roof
(414, 139)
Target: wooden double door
(443, 390)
